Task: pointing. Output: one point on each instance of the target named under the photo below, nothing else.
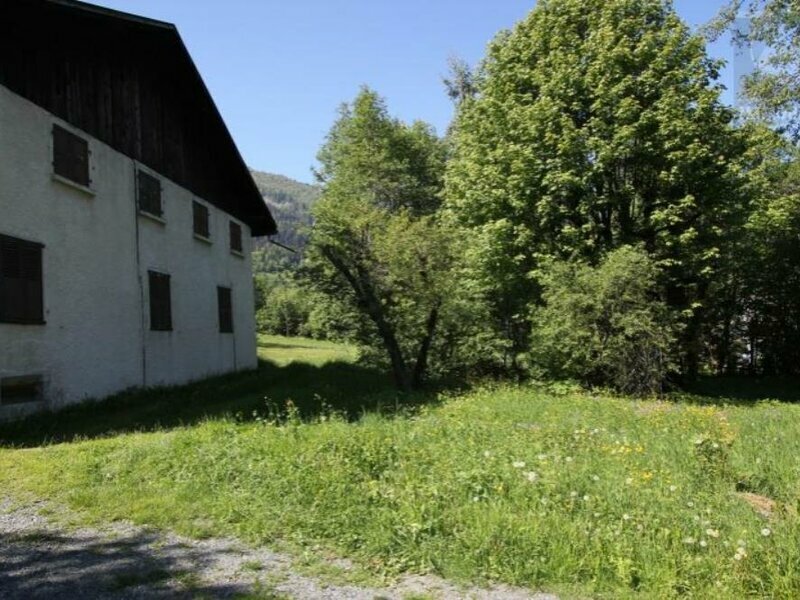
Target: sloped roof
(130, 82)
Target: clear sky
(278, 69)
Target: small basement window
(225, 309)
(160, 301)
(236, 237)
(21, 282)
(200, 219)
(70, 156)
(148, 191)
(20, 390)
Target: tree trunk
(362, 288)
(421, 366)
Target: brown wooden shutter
(200, 214)
(20, 281)
(225, 306)
(149, 192)
(70, 156)
(160, 301)
(236, 236)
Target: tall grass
(524, 485)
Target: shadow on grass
(740, 390)
(343, 387)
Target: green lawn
(283, 351)
(542, 487)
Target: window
(201, 220)
(225, 308)
(236, 237)
(20, 390)
(20, 282)
(149, 194)
(70, 156)
(160, 302)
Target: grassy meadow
(540, 486)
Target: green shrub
(603, 325)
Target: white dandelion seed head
(518, 464)
(766, 532)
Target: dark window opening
(20, 282)
(149, 194)
(160, 302)
(70, 156)
(200, 220)
(20, 390)
(236, 237)
(225, 306)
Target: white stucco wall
(97, 252)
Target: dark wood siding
(133, 86)
(20, 282)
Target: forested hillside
(290, 202)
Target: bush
(604, 325)
(285, 311)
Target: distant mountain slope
(290, 202)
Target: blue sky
(278, 69)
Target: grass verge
(541, 487)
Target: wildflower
(586, 498)
(595, 478)
(518, 464)
(688, 540)
(629, 480)
(766, 532)
(703, 543)
(541, 456)
(573, 494)
(626, 517)
(673, 488)
(714, 533)
(568, 459)
(690, 504)
(740, 554)
(531, 476)
(486, 454)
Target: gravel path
(39, 560)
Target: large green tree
(596, 124)
(377, 249)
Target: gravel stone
(40, 560)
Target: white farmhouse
(126, 211)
